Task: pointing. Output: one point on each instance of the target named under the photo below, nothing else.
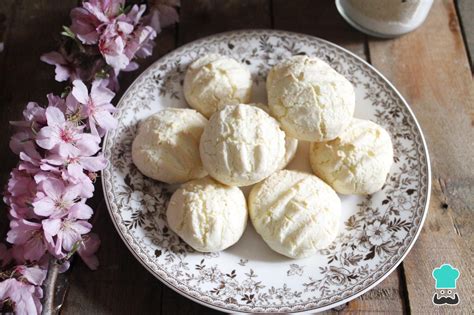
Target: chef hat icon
(446, 277)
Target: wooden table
(430, 67)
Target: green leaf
(68, 33)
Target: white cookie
(291, 144)
(208, 215)
(310, 99)
(166, 147)
(241, 145)
(357, 161)
(296, 213)
(213, 81)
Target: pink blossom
(123, 37)
(30, 160)
(64, 68)
(34, 275)
(26, 297)
(68, 231)
(56, 199)
(104, 10)
(23, 141)
(84, 25)
(72, 170)
(89, 163)
(112, 43)
(74, 174)
(34, 117)
(64, 137)
(30, 236)
(21, 191)
(89, 246)
(56, 101)
(96, 106)
(87, 19)
(34, 112)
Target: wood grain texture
(430, 68)
(320, 19)
(199, 18)
(466, 17)
(6, 19)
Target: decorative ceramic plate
(377, 231)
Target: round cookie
(291, 144)
(357, 161)
(166, 147)
(310, 99)
(241, 145)
(207, 215)
(213, 81)
(296, 213)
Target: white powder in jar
(385, 18)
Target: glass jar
(384, 18)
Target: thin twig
(50, 288)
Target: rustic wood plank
(387, 297)
(121, 285)
(200, 18)
(430, 68)
(466, 17)
(7, 16)
(320, 19)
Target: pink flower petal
(68, 238)
(106, 121)
(44, 207)
(54, 116)
(88, 144)
(35, 275)
(80, 91)
(47, 138)
(51, 227)
(100, 94)
(84, 26)
(34, 248)
(23, 296)
(93, 163)
(53, 58)
(21, 231)
(82, 227)
(72, 192)
(80, 211)
(53, 188)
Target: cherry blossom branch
(50, 286)
(58, 146)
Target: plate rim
(278, 32)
